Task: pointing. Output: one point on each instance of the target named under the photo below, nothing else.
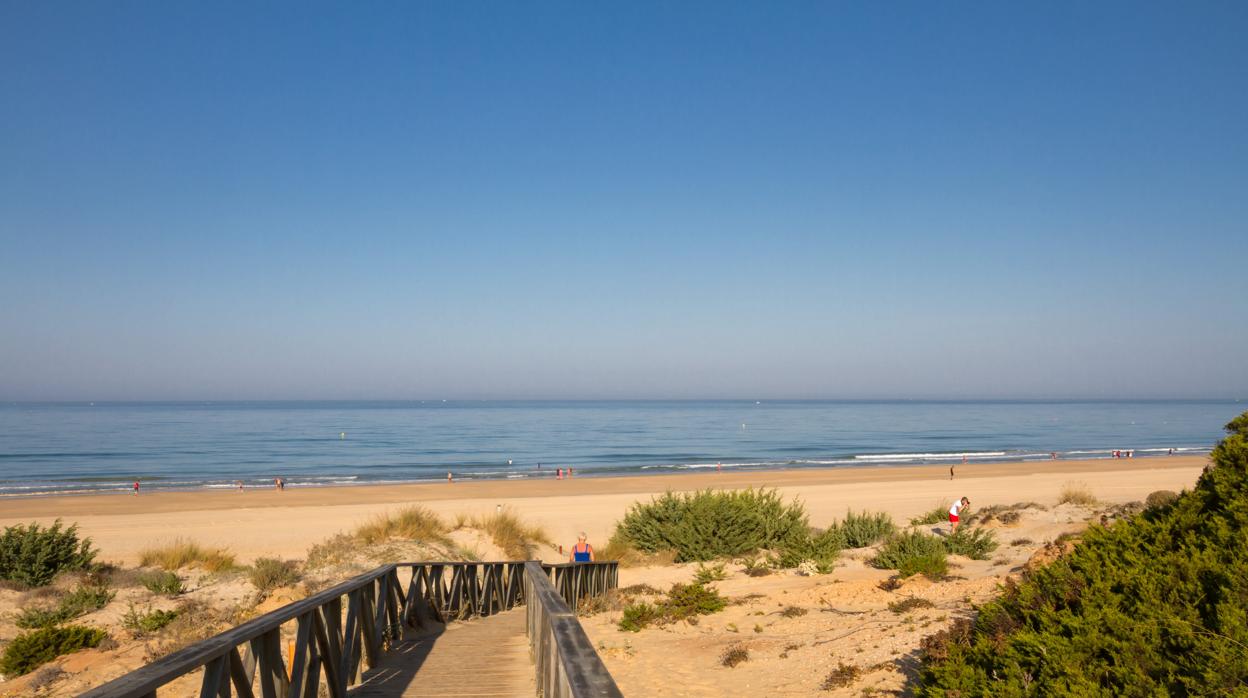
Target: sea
(101, 447)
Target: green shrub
(823, 548)
(80, 601)
(683, 602)
(31, 649)
(1160, 498)
(33, 555)
(148, 621)
(706, 525)
(912, 553)
(975, 543)
(861, 530)
(639, 615)
(706, 574)
(163, 583)
(1155, 605)
(268, 574)
(933, 516)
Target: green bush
(938, 515)
(823, 548)
(975, 543)
(33, 555)
(912, 553)
(163, 583)
(1160, 498)
(861, 530)
(706, 525)
(80, 601)
(684, 601)
(639, 615)
(31, 649)
(149, 621)
(1156, 604)
(268, 574)
(706, 574)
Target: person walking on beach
(582, 551)
(449, 479)
(954, 510)
(136, 488)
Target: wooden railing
(333, 642)
(565, 661)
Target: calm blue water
(84, 447)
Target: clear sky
(418, 200)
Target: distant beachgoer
(951, 472)
(559, 474)
(582, 551)
(1171, 452)
(1053, 455)
(449, 479)
(136, 487)
(239, 485)
(719, 467)
(569, 472)
(954, 510)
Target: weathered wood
(331, 648)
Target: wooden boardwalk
(476, 657)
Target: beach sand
(257, 523)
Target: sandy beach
(284, 524)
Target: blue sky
(402, 200)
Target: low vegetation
(32, 555)
(147, 621)
(909, 604)
(683, 602)
(975, 543)
(863, 529)
(1160, 498)
(1153, 605)
(706, 574)
(933, 516)
(408, 523)
(78, 602)
(28, 651)
(911, 553)
(162, 583)
(1076, 493)
(267, 574)
(840, 677)
(734, 655)
(1005, 513)
(706, 525)
(517, 540)
(184, 553)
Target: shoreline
(267, 523)
(203, 499)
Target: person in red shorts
(956, 509)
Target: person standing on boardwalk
(582, 551)
(954, 510)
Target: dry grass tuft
(843, 675)
(411, 523)
(734, 655)
(619, 550)
(1076, 493)
(517, 540)
(185, 553)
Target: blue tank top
(579, 555)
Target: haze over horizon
(652, 201)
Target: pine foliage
(33, 555)
(705, 525)
(1153, 605)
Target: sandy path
(267, 523)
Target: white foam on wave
(930, 456)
